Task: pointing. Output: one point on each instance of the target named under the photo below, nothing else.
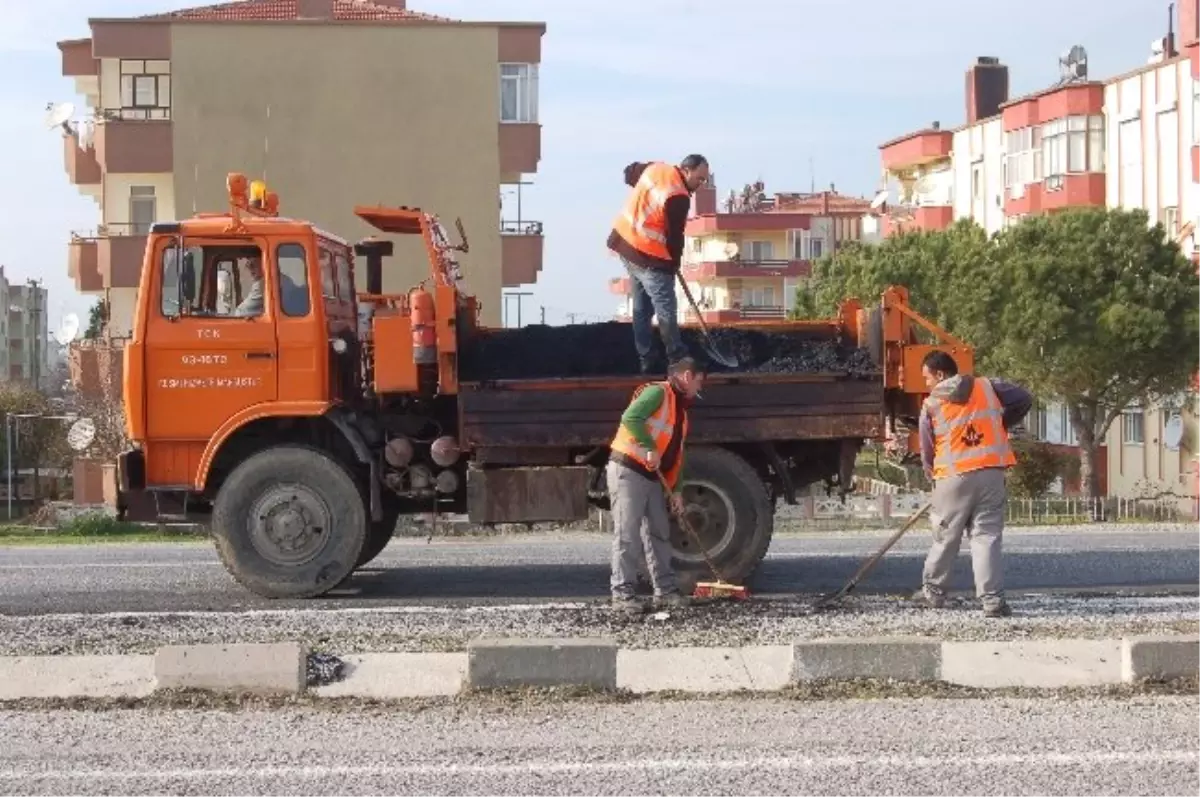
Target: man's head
(687, 375)
(937, 367)
(254, 267)
(695, 171)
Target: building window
(519, 93)
(1073, 145)
(1130, 141)
(1168, 158)
(1133, 426)
(758, 251)
(143, 209)
(1023, 157)
(1170, 222)
(1043, 423)
(760, 297)
(145, 90)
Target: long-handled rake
(869, 565)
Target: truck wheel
(289, 522)
(728, 508)
(379, 534)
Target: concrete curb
(599, 664)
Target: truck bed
(500, 417)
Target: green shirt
(639, 412)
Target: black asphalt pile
(583, 350)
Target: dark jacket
(1015, 400)
(677, 210)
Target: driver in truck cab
(294, 298)
(646, 460)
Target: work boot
(631, 606)
(929, 599)
(672, 600)
(1001, 609)
(651, 366)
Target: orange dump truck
(303, 417)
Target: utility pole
(35, 367)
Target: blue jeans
(654, 295)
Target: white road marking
(587, 767)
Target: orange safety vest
(969, 437)
(660, 426)
(643, 221)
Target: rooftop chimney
(1189, 22)
(314, 9)
(987, 88)
(704, 201)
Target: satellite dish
(923, 185)
(81, 434)
(58, 113)
(68, 329)
(879, 200)
(1173, 433)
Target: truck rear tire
(289, 522)
(728, 507)
(379, 534)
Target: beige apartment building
(25, 347)
(333, 102)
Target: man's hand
(651, 459)
(676, 504)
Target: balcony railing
(520, 227)
(764, 312)
(122, 229)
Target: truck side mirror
(187, 277)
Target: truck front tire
(289, 522)
(728, 507)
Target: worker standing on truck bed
(965, 449)
(646, 452)
(648, 236)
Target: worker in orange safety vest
(646, 452)
(648, 237)
(964, 431)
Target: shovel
(713, 352)
(870, 563)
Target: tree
(96, 318)
(936, 266)
(1092, 307)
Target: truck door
(211, 350)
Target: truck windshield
(212, 281)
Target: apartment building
(25, 349)
(333, 102)
(1127, 141)
(744, 257)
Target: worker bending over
(646, 452)
(648, 237)
(965, 450)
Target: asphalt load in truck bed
(582, 350)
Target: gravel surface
(1145, 745)
(759, 622)
(578, 350)
(568, 567)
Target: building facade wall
(373, 83)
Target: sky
(762, 88)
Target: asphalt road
(996, 746)
(188, 577)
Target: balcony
(122, 247)
(736, 314)
(1056, 192)
(135, 146)
(917, 149)
(95, 367)
(83, 263)
(82, 166)
(520, 150)
(722, 269)
(521, 252)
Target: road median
(601, 665)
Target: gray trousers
(641, 528)
(971, 504)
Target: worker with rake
(965, 450)
(646, 457)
